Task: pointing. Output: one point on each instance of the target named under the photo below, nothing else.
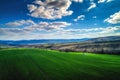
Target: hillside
(106, 47)
(57, 41)
(35, 64)
(104, 39)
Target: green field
(36, 64)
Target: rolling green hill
(36, 64)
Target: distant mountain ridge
(104, 39)
(41, 41)
(58, 41)
(102, 45)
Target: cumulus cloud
(50, 9)
(35, 31)
(19, 23)
(94, 17)
(92, 5)
(30, 26)
(78, 1)
(51, 25)
(103, 1)
(81, 17)
(114, 19)
(95, 30)
(109, 0)
(110, 29)
(16, 33)
(91, 32)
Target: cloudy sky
(58, 19)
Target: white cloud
(78, 1)
(109, 0)
(31, 8)
(103, 1)
(92, 5)
(114, 19)
(93, 32)
(94, 17)
(31, 30)
(50, 9)
(19, 23)
(8, 33)
(29, 26)
(110, 29)
(81, 17)
(55, 30)
(52, 25)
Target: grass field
(36, 64)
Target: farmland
(40, 64)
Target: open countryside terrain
(104, 47)
(39, 64)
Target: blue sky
(58, 19)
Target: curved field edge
(39, 64)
